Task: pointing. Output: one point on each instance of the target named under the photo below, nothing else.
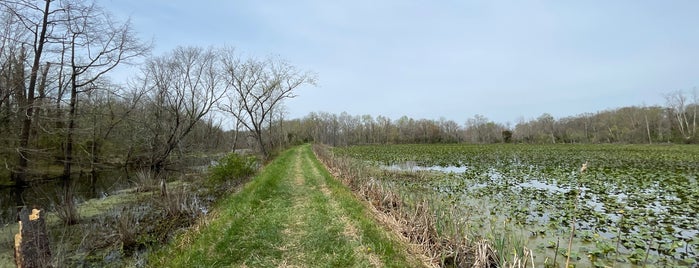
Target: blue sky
(505, 60)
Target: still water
(44, 194)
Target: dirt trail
(293, 214)
(350, 229)
(307, 183)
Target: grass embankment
(294, 213)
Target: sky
(505, 60)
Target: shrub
(234, 167)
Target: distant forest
(674, 123)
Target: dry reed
(428, 227)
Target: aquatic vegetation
(634, 204)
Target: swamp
(123, 216)
(629, 206)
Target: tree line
(60, 108)
(674, 123)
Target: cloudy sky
(505, 60)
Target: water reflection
(45, 193)
(413, 166)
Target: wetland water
(44, 193)
(632, 203)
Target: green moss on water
(93, 239)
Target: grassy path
(293, 214)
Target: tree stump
(32, 241)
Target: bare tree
(34, 19)
(184, 85)
(684, 112)
(97, 44)
(384, 127)
(481, 130)
(11, 61)
(230, 103)
(104, 112)
(258, 87)
(450, 130)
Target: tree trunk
(68, 203)
(19, 200)
(68, 160)
(694, 121)
(94, 149)
(19, 177)
(235, 135)
(258, 134)
(650, 140)
(269, 132)
(71, 213)
(41, 99)
(94, 159)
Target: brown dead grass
(380, 205)
(415, 223)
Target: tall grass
(438, 229)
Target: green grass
(373, 235)
(294, 213)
